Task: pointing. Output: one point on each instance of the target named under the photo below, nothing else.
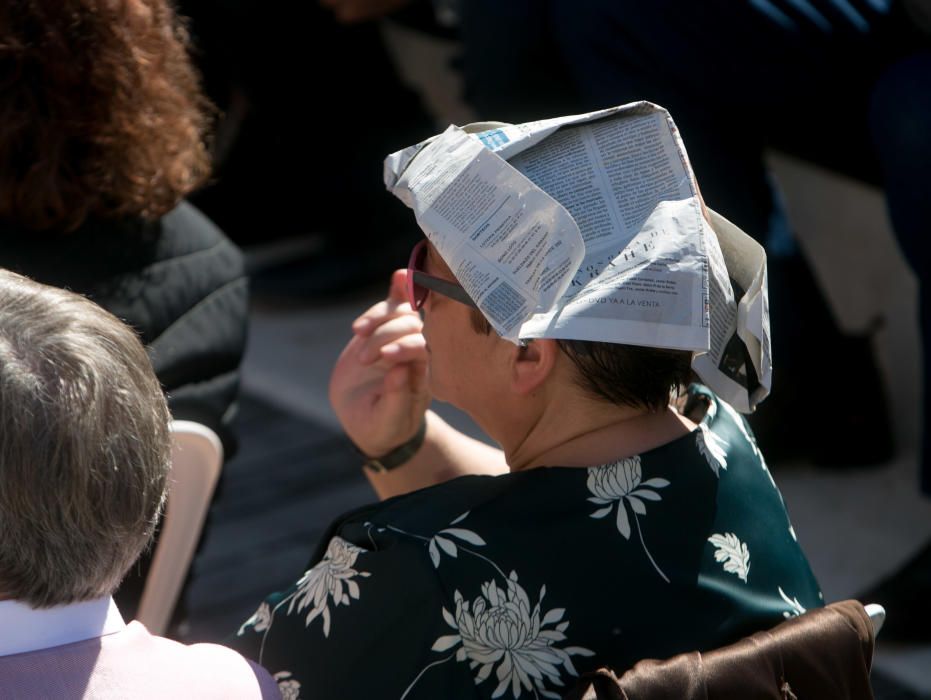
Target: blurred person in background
(103, 130)
(311, 106)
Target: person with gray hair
(84, 458)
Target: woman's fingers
(397, 378)
(389, 333)
(410, 348)
(396, 304)
(400, 401)
(381, 313)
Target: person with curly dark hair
(103, 132)
(102, 112)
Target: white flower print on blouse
(795, 607)
(330, 580)
(443, 540)
(734, 553)
(712, 448)
(499, 631)
(290, 688)
(260, 620)
(618, 483)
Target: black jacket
(178, 281)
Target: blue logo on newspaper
(494, 139)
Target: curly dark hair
(101, 112)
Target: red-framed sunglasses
(420, 284)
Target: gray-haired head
(84, 446)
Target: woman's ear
(532, 364)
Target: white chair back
(196, 461)
(877, 615)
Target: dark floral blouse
(510, 586)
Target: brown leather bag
(821, 655)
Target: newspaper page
(590, 227)
(739, 359)
(511, 245)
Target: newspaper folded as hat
(590, 227)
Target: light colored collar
(29, 629)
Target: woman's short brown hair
(624, 375)
(101, 112)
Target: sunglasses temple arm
(447, 289)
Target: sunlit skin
(525, 398)
(521, 396)
(459, 367)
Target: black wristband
(398, 456)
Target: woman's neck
(589, 436)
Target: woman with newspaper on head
(570, 284)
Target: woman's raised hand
(378, 387)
